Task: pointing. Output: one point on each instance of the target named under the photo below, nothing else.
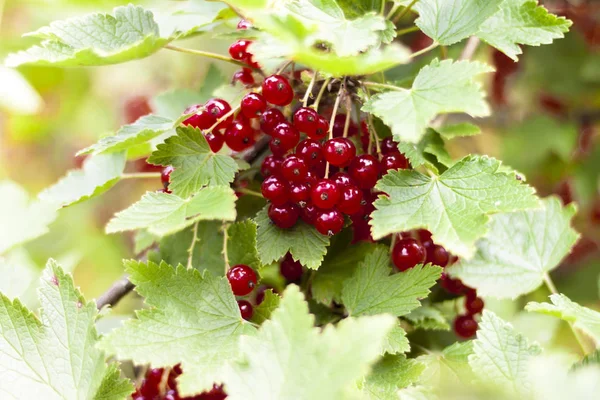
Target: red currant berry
(271, 165)
(270, 119)
(339, 151)
(253, 105)
(325, 194)
(308, 213)
(311, 179)
(350, 200)
(244, 24)
(473, 304)
(215, 141)
(437, 255)
(388, 146)
(284, 216)
(277, 148)
(342, 179)
(338, 126)
(361, 231)
(239, 136)
(277, 90)
(218, 108)
(319, 169)
(329, 222)
(452, 286)
(244, 76)
(407, 253)
(305, 120)
(424, 235)
(291, 270)
(165, 175)
(294, 169)
(364, 170)
(275, 190)
(285, 136)
(310, 151)
(202, 119)
(299, 193)
(245, 309)
(322, 129)
(393, 161)
(242, 279)
(465, 326)
(239, 50)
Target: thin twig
(208, 54)
(348, 116)
(249, 192)
(336, 105)
(141, 175)
(115, 293)
(320, 95)
(404, 12)
(470, 48)
(225, 255)
(404, 31)
(425, 50)
(378, 85)
(192, 245)
(309, 89)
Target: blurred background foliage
(545, 123)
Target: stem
(309, 89)
(443, 52)
(225, 256)
(336, 105)
(223, 118)
(394, 237)
(249, 192)
(320, 95)
(392, 11)
(208, 54)
(284, 67)
(470, 48)
(425, 50)
(141, 175)
(372, 133)
(192, 245)
(116, 292)
(401, 32)
(348, 116)
(381, 86)
(405, 11)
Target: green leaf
(396, 341)
(141, 131)
(430, 151)
(372, 290)
(449, 22)
(391, 373)
(448, 367)
(164, 214)
(428, 318)
(458, 130)
(356, 8)
(194, 162)
(263, 311)
(589, 359)
(95, 39)
(501, 356)
(143, 240)
(522, 22)
(582, 318)
(303, 241)
(440, 87)
(55, 356)
(21, 219)
(290, 359)
(99, 173)
(454, 206)
(519, 249)
(242, 237)
(18, 273)
(192, 318)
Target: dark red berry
(310, 151)
(465, 326)
(165, 176)
(393, 161)
(239, 50)
(350, 200)
(215, 141)
(407, 253)
(308, 213)
(473, 304)
(270, 119)
(244, 24)
(253, 105)
(271, 165)
(364, 170)
(299, 193)
(339, 151)
(285, 136)
(275, 190)
(424, 235)
(325, 194)
(294, 169)
(218, 108)
(452, 286)
(329, 222)
(322, 129)
(239, 136)
(284, 216)
(437, 255)
(242, 279)
(277, 90)
(244, 76)
(202, 119)
(338, 126)
(305, 120)
(361, 231)
(245, 309)
(291, 270)
(342, 179)
(388, 146)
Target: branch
(115, 293)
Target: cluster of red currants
(417, 247)
(161, 384)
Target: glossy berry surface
(239, 50)
(277, 90)
(393, 161)
(244, 24)
(325, 194)
(284, 216)
(437, 255)
(308, 213)
(310, 151)
(339, 151)
(305, 120)
(339, 124)
(364, 170)
(294, 169)
(271, 165)
(285, 136)
(239, 136)
(270, 119)
(465, 326)
(244, 76)
(215, 141)
(342, 179)
(245, 309)
(291, 270)
(253, 105)
(275, 189)
(202, 119)
(473, 304)
(388, 146)
(218, 108)
(407, 253)
(165, 176)
(350, 200)
(299, 193)
(452, 286)
(242, 279)
(329, 222)
(322, 129)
